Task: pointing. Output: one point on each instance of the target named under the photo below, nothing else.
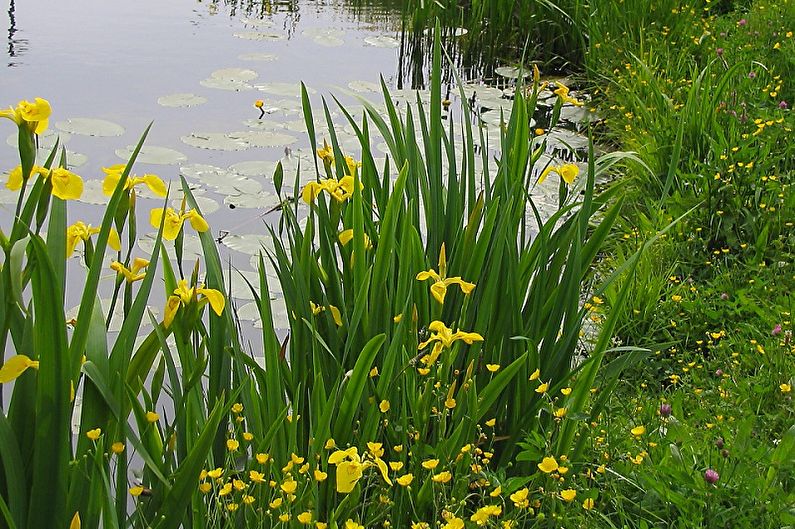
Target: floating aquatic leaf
(181, 100)
(46, 139)
(248, 243)
(73, 159)
(225, 84)
(191, 246)
(235, 185)
(90, 127)
(261, 200)
(235, 74)
(256, 56)
(328, 41)
(254, 169)
(382, 41)
(93, 194)
(217, 141)
(512, 72)
(202, 171)
(575, 114)
(323, 32)
(364, 86)
(482, 91)
(263, 124)
(283, 89)
(257, 22)
(207, 205)
(260, 35)
(263, 138)
(153, 154)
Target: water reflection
(16, 46)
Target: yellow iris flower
(15, 366)
(174, 221)
(131, 274)
(184, 295)
(444, 338)
(341, 190)
(66, 185)
(113, 175)
(568, 172)
(326, 153)
(80, 231)
(35, 116)
(351, 466)
(441, 281)
(563, 93)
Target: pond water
(196, 68)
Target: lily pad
(207, 205)
(93, 194)
(201, 171)
(382, 41)
(257, 22)
(152, 154)
(512, 72)
(254, 169)
(191, 246)
(217, 141)
(283, 89)
(181, 100)
(248, 243)
(46, 139)
(260, 35)
(235, 185)
(225, 84)
(256, 56)
(73, 159)
(364, 86)
(263, 138)
(482, 91)
(261, 200)
(263, 124)
(90, 127)
(235, 74)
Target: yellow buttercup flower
(15, 366)
(289, 486)
(548, 465)
(520, 498)
(35, 116)
(256, 477)
(133, 273)
(350, 524)
(430, 464)
(542, 388)
(482, 515)
(94, 434)
(113, 175)
(535, 374)
(82, 231)
(320, 476)
(117, 447)
(440, 280)
(637, 431)
(454, 523)
(493, 368)
(232, 444)
(405, 480)
(305, 517)
(785, 388)
(442, 477)
(568, 172)
(568, 494)
(136, 491)
(184, 295)
(384, 406)
(152, 417)
(174, 221)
